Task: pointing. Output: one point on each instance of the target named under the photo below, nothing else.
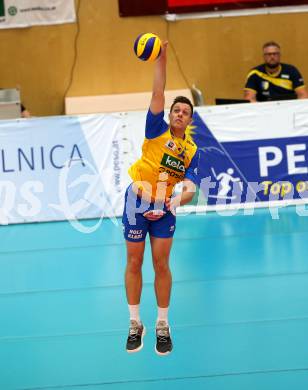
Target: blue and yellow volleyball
(147, 47)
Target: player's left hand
(154, 215)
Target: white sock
(134, 312)
(162, 314)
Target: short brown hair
(183, 99)
(271, 43)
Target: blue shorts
(136, 226)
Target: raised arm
(158, 93)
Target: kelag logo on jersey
(173, 163)
(221, 179)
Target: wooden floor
(239, 312)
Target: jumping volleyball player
(169, 156)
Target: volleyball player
(169, 156)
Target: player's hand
(164, 45)
(154, 215)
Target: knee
(134, 264)
(161, 267)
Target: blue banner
(248, 171)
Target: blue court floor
(239, 311)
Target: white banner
(63, 168)
(25, 13)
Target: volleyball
(147, 47)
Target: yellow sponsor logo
(284, 188)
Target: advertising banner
(25, 13)
(63, 168)
(253, 152)
(71, 168)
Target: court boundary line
(150, 283)
(169, 379)
(123, 331)
(176, 238)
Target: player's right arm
(155, 124)
(158, 92)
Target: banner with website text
(25, 13)
(73, 168)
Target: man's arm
(188, 192)
(251, 95)
(251, 86)
(298, 83)
(158, 93)
(25, 114)
(301, 92)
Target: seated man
(274, 80)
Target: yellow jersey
(166, 160)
